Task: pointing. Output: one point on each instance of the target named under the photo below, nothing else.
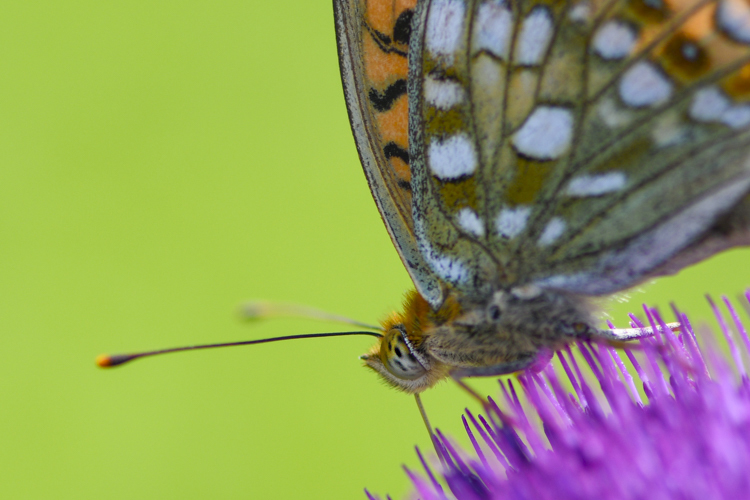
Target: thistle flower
(686, 436)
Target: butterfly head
(401, 357)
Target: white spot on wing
(546, 133)
(443, 94)
(447, 268)
(552, 231)
(580, 12)
(534, 37)
(510, 222)
(711, 105)
(596, 185)
(708, 105)
(470, 222)
(451, 270)
(445, 24)
(737, 117)
(644, 85)
(493, 28)
(615, 40)
(452, 158)
(733, 17)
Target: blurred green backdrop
(161, 163)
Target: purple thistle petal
(474, 442)
(533, 438)
(737, 323)
(453, 453)
(585, 390)
(501, 443)
(442, 453)
(517, 452)
(466, 487)
(692, 342)
(573, 381)
(514, 400)
(557, 417)
(668, 333)
(611, 386)
(641, 374)
(678, 353)
(488, 440)
(608, 367)
(420, 485)
(608, 372)
(692, 442)
(586, 351)
(592, 402)
(562, 398)
(505, 418)
(594, 406)
(728, 336)
(634, 321)
(659, 387)
(529, 388)
(689, 327)
(427, 469)
(542, 359)
(625, 374)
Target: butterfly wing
(373, 38)
(731, 230)
(579, 145)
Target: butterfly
(528, 156)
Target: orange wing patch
(385, 51)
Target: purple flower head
(685, 436)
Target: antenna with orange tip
(109, 361)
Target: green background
(161, 163)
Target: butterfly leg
(622, 344)
(504, 368)
(426, 421)
(488, 371)
(622, 338)
(470, 391)
(621, 335)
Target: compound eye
(493, 312)
(398, 358)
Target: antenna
(109, 361)
(264, 309)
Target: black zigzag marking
(404, 184)
(394, 150)
(402, 28)
(384, 42)
(385, 100)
